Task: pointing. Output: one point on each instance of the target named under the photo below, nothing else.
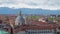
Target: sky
(33, 4)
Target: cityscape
(30, 24)
(29, 16)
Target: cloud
(33, 4)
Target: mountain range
(5, 10)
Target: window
(38, 31)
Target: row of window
(38, 31)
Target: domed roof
(19, 20)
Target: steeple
(19, 13)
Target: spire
(19, 13)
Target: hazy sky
(34, 4)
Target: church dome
(19, 20)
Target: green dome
(3, 32)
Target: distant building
(43, 29)
(58, 16)
(19, 20)
(42, 19)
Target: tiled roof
(35, 22)
(33, 27)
